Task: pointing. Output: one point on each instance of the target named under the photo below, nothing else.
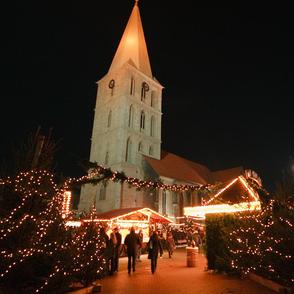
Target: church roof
(181, 169)
(227, 174)
(132, 47)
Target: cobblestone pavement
(174, 277)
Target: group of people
(112, 248)
(155, 247)
(134, 246)
(167, 242)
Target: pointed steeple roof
(132, 47)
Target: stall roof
(123, 212)
(237, 190)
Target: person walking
(161, 241)
(117, 248)
(132, 242)
(171, 245)
(112, 245)
(140, 235)
(106, 247)
(154, 246)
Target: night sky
(227, 72)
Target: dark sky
(227, 72)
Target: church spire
(132, 47)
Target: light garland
(115, 176)
(30, 186)
(39, 185)
(259, 242)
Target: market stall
(137, 217)
(235, 196)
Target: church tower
(127, 121)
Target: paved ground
(174, 277)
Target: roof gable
(181, 169)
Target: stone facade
(127, 122)
(126, 136)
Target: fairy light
(201, 211)
(66, 204)
(256, 239)
(88, 250)
(108, 174)
(30, 186)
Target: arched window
(131, 116)
(175, 197)
(129, 150)
(109, 119)
(102, 195)
(152, 126)
(106, 158)
(150, 150)
(163, 202)
(142, 121)
(144, 90)
(140, 147)
(132, 89)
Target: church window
(129, 150)
(156, 195)
(111, 86)
(144, 90)
(140, 147)
(102, 195)
(176, 210)
(150, 150)
(175, 198)
(152, 126)
(109, 119)
(131, 116)
(132, 90)
(142, 121)
(163, 202)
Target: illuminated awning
(135, 214)
(201, 211)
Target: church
(126, 136)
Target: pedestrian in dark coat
(106, 247)
(117, 248)
(112, 246)
(132, 242)
(154, 245)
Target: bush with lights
(38, 253)
(259, 242)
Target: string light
(39, 184)
(263, 239)
(108, 174)
(30, 186)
